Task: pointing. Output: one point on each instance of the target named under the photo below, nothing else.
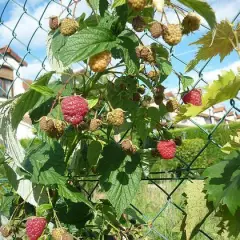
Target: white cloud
(213, 75)
(225, 9)
(32, 70)
(210, 76)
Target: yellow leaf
(220, 41)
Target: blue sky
(28, 26)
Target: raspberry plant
(87, 121)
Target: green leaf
(42, 110)
(129, 54)
(94, 151)
(28, 100)
(72, 195)
(54, 42)
(219, 41)
(46, 91)
(164, 66)
(86, 43)
(92, 102)
(223, 182)
(122, 184)
(94, 4)
(43, 209)
(186, 82)
(46, 163)
(118, 3)
(160, 50)
(6, 203)
(226, 87)
(202, 8)
(145, 80)
(103, 6)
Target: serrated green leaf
(46, 91)
(219, 41)
(86, 43)
(118, 3)
(28, 100)
(202, 8)
(46, 164)
(186, 81)
(122, 183)
(73, 195)
(92, 102)
(226, 87)
(94, 151)
(223, 182)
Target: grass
(166, 218)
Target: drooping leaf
(28, 100)
(72, 194)
(86, 43)
(226, 87)
(223, 181)
(220, 41)
(31, 193)
(202, 8)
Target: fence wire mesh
(158, 179)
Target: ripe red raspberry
(74, 109)
(166, 149)
(194, 97)
(35, 227)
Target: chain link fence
(158, 180)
